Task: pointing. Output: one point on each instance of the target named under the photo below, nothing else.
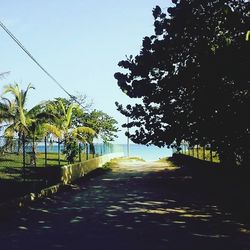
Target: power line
(36, 62)
(3, 74)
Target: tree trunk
(19, 143)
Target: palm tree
(13, 113)
(63, 128)
(37, 119)
(21, 122)
(7, 117)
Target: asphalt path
(136, 206)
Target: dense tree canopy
(102, 123)
(193, 78)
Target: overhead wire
(36, 62)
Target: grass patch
(132, 158)
(16, 160)
(165, 159)
(115, 161)
(16, 181)
(170, 164)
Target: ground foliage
(192, 76)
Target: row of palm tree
(48, 118)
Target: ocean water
(148, 153)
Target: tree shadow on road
(128, 210)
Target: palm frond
(69, 116)
(10, 131)
(83, 131)
(13, 89)
(45, 116)
(33, 111)
(81, 138)
(53, 130)
(5, 99)
(30, 86)
(6, 111)
(62, 107)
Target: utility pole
(128, 153)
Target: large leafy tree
(192, 77)
(102, 123)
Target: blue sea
(148, 153)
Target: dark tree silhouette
(192, 76)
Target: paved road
(136, 206)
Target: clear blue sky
(79, 42)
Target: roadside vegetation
(71, 123)
(192, 77)
(113, 163)
(61, 119)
